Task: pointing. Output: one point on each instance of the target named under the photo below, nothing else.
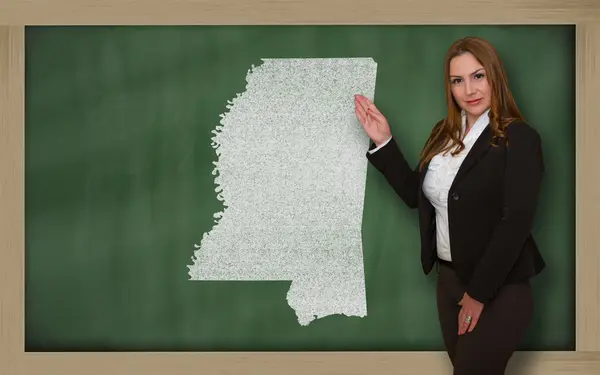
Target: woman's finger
(474, 322)
(370, 105)
(360, 114)
(362, 102)
(360, 108)
(372, 109)
(463, 323)
(377, 115)
(461, 319)
(367, 116)
(375, 125)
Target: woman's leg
(449, 292)
(503, 322)
(501, 327)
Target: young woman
(476, 189)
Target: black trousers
(502, 324)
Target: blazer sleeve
(390, 161)
(522, 179)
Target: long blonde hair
(448, 132)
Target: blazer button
(455, 196)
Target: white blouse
(440, 175)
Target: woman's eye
(479, 75)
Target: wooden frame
(14, 14)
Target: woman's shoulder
(522, 135)
(522, 129)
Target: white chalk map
(291, 173)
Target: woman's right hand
(372, 121)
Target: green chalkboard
(119, 185)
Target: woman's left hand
(470, 308)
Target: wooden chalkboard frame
(15, 14)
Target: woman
(476, 189)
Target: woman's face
(469, 85)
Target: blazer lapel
(480, 147)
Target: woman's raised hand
(372, 121)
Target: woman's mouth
(473, 102)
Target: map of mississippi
(291, 172)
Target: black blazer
(491, 208)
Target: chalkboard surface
(119, 185)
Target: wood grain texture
(12, 87)
(587, 192)
(354, 363)
(45, 12)
(584, 13)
